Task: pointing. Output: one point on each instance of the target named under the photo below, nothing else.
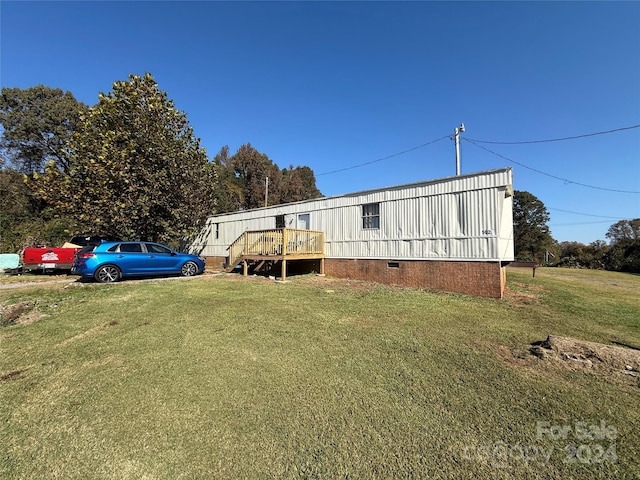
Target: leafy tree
(38, 123)
(17, 207)
(241, 180)
(531, 233)
(252, 168)
(228, 189)
(624, 254)
(135, 169)
(309, 183)
(292, 187)
(24, 219)
(298, 183)
(624, 232)
(579, 255)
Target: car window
(153, 248)
(131, 247)
(113, 249)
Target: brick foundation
(485, 279)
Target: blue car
(111, 261)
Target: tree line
(533, 241)
(129, 166)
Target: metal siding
(505, 240)
(445, 219)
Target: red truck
(48, 258)
(57, 258)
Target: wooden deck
(280, 244)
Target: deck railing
(277, 242)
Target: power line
(577, 223)
(565, 180)
(557, 139)
(585, 214)
(383, 158)
(477, 142)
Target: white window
(371, 216)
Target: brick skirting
(485, 279)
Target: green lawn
(220, 377)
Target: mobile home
(451, 234)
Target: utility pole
(456, 135)
(266, 191)
(547, 255)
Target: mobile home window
(371, 215)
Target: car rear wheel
(189, 269)
(107, 274)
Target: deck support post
(322, 266)
(245, 268)
(285, 240)
(283, 273)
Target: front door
(304, 221)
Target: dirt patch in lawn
(332, 283)
(617, 363)
(21, 312)
(13, 374)
(521, 294)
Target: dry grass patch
(92, 331)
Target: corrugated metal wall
(463, 218)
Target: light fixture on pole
(456, 135)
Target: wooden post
(245, 268)
(283, 274)
(322, 266)
(284, 243)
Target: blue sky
(337, 84)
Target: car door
(161, 259)
(131, 258)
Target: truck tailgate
(48, 258)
